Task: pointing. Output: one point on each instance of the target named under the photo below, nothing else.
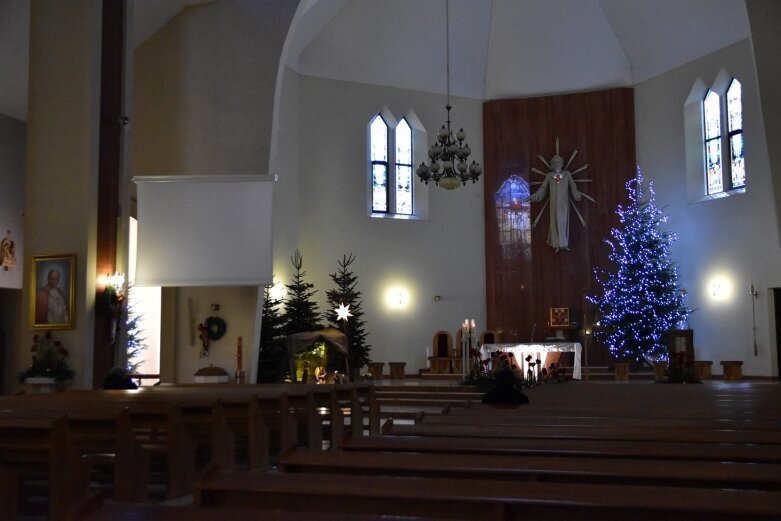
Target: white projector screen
(204, 230)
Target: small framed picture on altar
(559, 317)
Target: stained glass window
(512, 212)
(404, 168)
(735, 133)
(712, 116)
(379, 156)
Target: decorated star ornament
(342, 312)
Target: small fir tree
(135, 342)
(301, 312)
(346, 294)
(640, 300)
(271, 359)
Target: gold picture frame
(559, 317)
(52, 292)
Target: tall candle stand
(239, 376)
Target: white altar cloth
(541, 350)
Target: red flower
(34, 348)
(48, 335)
(36, 338)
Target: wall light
(397, 297)
(277, 291)
(720, 288)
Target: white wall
(237, 306)
(203, 98)
(443, 255)
(62, 161)
(204, 89)
(734, 237)
(13, 135)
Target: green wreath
(215, 328)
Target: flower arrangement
(50, 360)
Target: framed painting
(52, 292)
(559, 317)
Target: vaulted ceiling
(498, 48)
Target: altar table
(537, 350)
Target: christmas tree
(345, 294)
(271, 358)
(640, 300)
(134, 340)
(301, 312)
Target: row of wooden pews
(578, 451)
(149, 445)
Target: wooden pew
(156, 424)
(131, 512)
(746, 453)
(480, 499)
(519, 468)
(502, 417)
(692, 435)
(41, 448)
(102, 437)
(9, 492)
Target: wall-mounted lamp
(397, 297)
(277, 291)
(720, 288)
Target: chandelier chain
(448, 167)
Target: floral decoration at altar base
(49, 370)
(40, 384)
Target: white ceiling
(498, 48)
(514, 48)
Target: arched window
(722, 131)
(735, 134)
(393, 192)
(378, 136)
(404, 180)
(712, 114)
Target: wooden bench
(376, 369)
(519, 467)
(702, 369)
(545, 419)
(570, 447)
(103, 437)
(41, 449)
(156, 424)
(479, 499)
(692, 435)
(733, 369)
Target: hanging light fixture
(449, 155)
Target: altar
(538, 351)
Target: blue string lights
(640, 300)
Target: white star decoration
(342, 312)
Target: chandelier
(449, 155)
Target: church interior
(181, 174)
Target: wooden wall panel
(527, 277)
